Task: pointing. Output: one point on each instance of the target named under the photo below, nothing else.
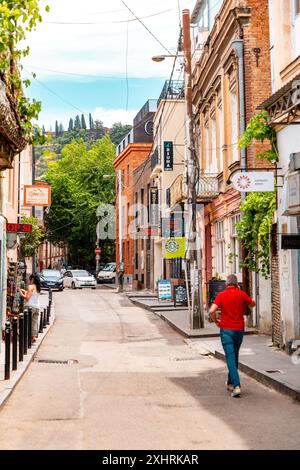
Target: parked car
(77, 279)
(108, 273)
(51, 279)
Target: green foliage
(31, 241)
(258, 129)
(17, 18)
(254, 230)
(78, 188)
(118, 132)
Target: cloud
(110, 116)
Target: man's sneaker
(236, 392)
(229, 387)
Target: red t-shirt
(232, 303)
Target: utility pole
(33, 207)
(121, 262)
(196, 304)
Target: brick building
(217, 82)
(131, 153)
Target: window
(296, 28)
(221, 140)
(214, 165)
(220, 248)
(235, 246)
(206, 133)
(297, 7)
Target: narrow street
(137, 385)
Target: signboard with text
(168, 156)
(37, 195)
(248, 182)
(164, 290)
(18, 228)
(154, 206)
(175, 248)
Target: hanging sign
(37, 195)
(164, 290)
(168, 156)
(154, 207)
(18, 228)
(175, 248)
(253, 181)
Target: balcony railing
(207, 189)
(172, 90)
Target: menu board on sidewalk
(164, 290)
(180, 296)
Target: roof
(279, 93)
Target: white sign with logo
(253, 181)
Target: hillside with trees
(78, 130)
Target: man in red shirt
(233, 304)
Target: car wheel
(73, 285)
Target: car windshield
(109, 267)
(49, 273)
(80, 273)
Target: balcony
(172, 90)
(207, 189)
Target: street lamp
(161, 58)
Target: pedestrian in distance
(232, 304)
(32, 298)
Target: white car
(78, 279)
(108, 273)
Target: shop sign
(248, 182)
(164, 290)
(154, 206)
(175, 248)
(180, 296)
(18, 228)
(168, 156)
(37, 195)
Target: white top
(34, 301)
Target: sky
(83, 50)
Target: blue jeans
(231, 342)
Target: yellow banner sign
(175, 248)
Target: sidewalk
(7, 386)
(177, 318)
(260, 360)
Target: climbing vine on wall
(17, 18)
(258, 208)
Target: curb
(263, 378)
(30, 358)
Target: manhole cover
(53, 361)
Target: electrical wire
(78, 23)
(102, 77)
(146, 27)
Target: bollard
(21, 337)
(25, 331)
(41, 322)
(29, 327)
(7, 351)
(45, 318)
(48, 315)
(50, 296)
(15, 343)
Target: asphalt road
(133, 383)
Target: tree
(31, 241)
(61, 129)
(119, 131)
(78, 188)
(98, 129)
(91, 122)
(77, 123)
(83, 123)
(56, 129)
(71, 125)
(43, 130)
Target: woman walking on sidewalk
(32, 297)
(233, 304)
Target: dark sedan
(51, 279)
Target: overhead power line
(146, 27)
(108, 22)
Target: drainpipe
(238, 48)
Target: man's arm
(213, 312)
